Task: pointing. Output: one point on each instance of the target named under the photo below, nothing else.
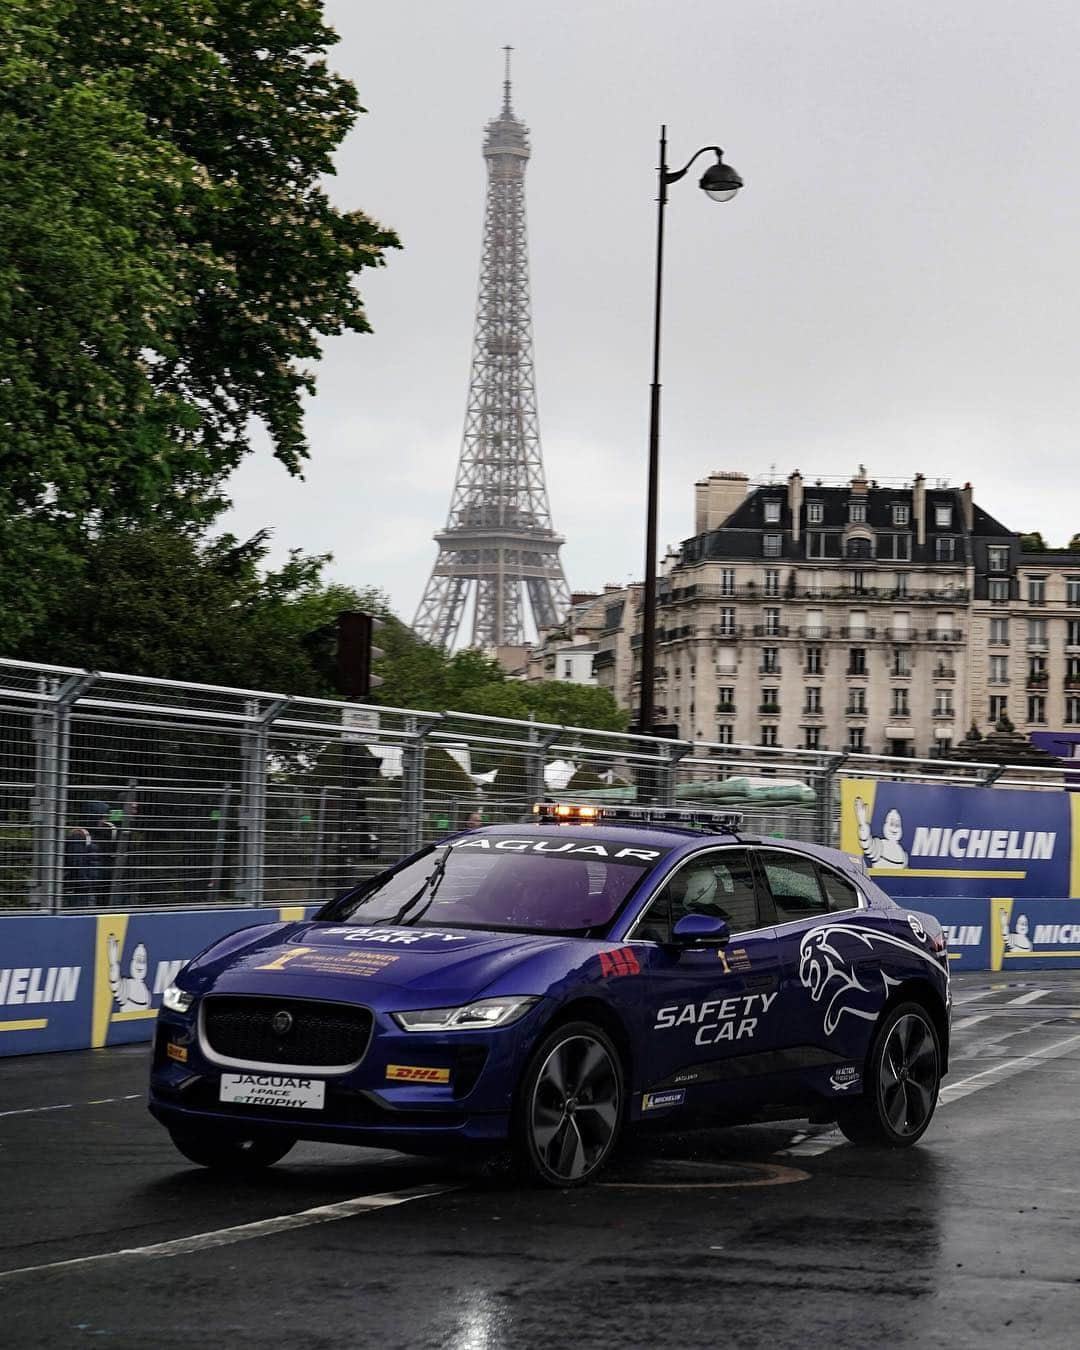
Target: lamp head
(720, 181)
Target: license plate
(271, 1089)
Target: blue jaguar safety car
(545, 985)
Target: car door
(705, 1007)
(830, 982)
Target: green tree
(1033, 542)
(1074, 544)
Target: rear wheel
(570, 1105)
(902, 1082)
(231, 1154)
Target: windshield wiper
(431, 881)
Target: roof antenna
(506, 81)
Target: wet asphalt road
(756, 1236)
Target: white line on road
(245, 1232)
(1029, 997)
(970, 1021)
(70, 1106)
(829, 1139)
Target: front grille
(322, 1035)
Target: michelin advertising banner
(72, 982)
(999, 868)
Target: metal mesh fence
(122, 792)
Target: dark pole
(647, 715)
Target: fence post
(667, 769)
(58, 769)
(825, 800)
(535, 760)
(253, 799)
(43, 802)
(413, 759)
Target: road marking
(1029, 997)
(245, 1232)
(971, 1021)
(821, 1143)
(70, 1106)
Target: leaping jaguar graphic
(825, 971)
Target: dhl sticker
(410, 1073)
(177, 1052)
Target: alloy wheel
(908, 1079)
(574, 1111)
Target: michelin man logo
(885, 851)
(131, 992)
(1018, 940)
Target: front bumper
(379, 1102)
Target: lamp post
(720, 182)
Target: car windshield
(516, 885)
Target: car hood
(425, 966)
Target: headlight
(485, 1012)
(176, 999)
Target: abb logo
(622, 961)
(412, 1074)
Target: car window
(793, 881)
(840, 892)
(719, 882)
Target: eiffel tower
(498, 538)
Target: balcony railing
(945, 635)
(1072, 681)
(859, 672)
(944, 673)
(769, 709)
(859, 634)
(727, 630)
(813, 712)
(815, 634)
(776, 630)
(768, 670)
(855, 712)
(942, 714)
(902, 634)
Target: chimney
(967, 507)
(794, 501)
(716, 497)
(918, 501)
(860, 484)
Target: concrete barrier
(80, 981)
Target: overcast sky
(897, 284)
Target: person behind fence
(82, 867)
(104, 834)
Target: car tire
(903, 1076)
(570, 1106)
(229, 1153)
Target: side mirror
(701, 930)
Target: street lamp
(719, 182)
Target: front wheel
(902, 1081)
(228, 1153)
(570, 1105)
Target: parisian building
(842, 615)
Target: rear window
(546, 885)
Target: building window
(856, 738)
(772, 545)
(943, 703)
(999, 632)
(942, 747)
(725, 733)
(997, 591)
(856, 702)
(1072, 668)
(999, 670)
(822, 545)
(945, 549)
(902, 661)
(568, 668)
(813, 660)
(812, 738)
(1036, 632)
(857, 512)
(1072, 633)
(770, 700)
(859, 548)
(1072, 709)
(772, 623)
(768, 735)
(903, 582)
(770, 660)
(1072, 590)
(725, 699)
(1037, 672)
(1036, 708)
(997, 558)
(813, 699)
(943, 517)
(999, 707)
(772, 581)
(900, 703)
(901, 513)
(772, 511)
(726, 625)
(727, 581)
(815, 513)
(1036, 590)
(895, 546)
(857, 661)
